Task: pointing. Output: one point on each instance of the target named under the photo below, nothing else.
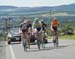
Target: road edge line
(12, 52)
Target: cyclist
(36, 29)
(54, 28)
(44, 29)
(44, 25)
(26, 29)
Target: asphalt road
(66, 50)
(2, 50)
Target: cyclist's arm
(32, 26)
(41, 26)
(45, 27)
(51, 27)
(20, 28)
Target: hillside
(13, 10)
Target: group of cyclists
(38, 28)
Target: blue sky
(35, 3)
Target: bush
(68, 29)
(2, 36)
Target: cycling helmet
(55, 19)
(36, 20)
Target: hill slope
(13, 10)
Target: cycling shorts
(55, 28)
(24, 30)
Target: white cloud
(33, 3)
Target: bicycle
(55, 39)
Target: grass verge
(70, 37)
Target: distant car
(14, 35)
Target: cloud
(34, 3)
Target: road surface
(2, 50)
(66, 50)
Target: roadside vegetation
(70, 37)
(2, 36)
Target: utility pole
(9, 23)
(6, 24)
(6, 28)
(50, 13)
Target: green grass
(1, 39)
(70, 37)
(2, 36)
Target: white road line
(12, 52)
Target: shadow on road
(15, 43)
(48, 48)
(1, 46)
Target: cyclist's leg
(38, 40)
(42, 39)
(57, 39)
(53, 34)
(25, 41)
(22, 36)
(29, 32)
(28, 39)
(54, 38)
